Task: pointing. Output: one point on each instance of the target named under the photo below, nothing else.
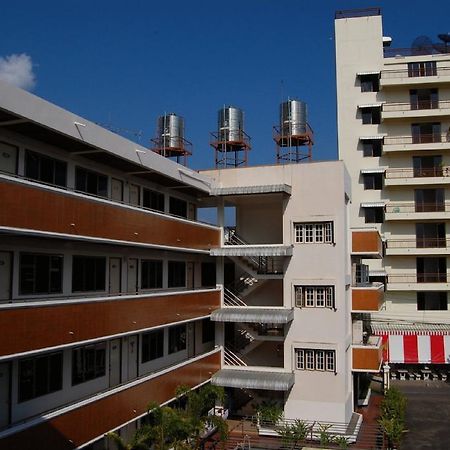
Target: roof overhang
(372, 205)
(383, 328)
(252, 250)
(368, 72)
(378, 137)
(254, 379)
(253, 315)
(374, 170)
(249, 190)
(371, 105)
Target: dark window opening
(88, 362)
(152, 274)
(177, 338)
(373, 181)
(422, 69)
(430, 235)
(423, 98)
(177, 207)
(429, 200)
(91, 182)
(432, 301)
(372, 148)
(374, 214)
(370, 83)
(427, 166)
(40, 274)
(208, 274)
(208, 331)
(46, 169)
(371, 115)
(40, 376)
(431, 270)
(88, 273)
(152, 345)
(426, 133)
(177, 274)
(153, 200)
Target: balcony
(419, 246)
(417, 177)
(417, 211)
(430, 142)
(367, 357)
(405, 77)
(25, 210)
(71, 321)
(367, 298)
(77, 424)
(413, 281)
(422, 108)
(367, 243)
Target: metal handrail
(231, 299)
(429, 138)
(231, 359)
(411, 172)
(411, 207)
(436, 49)
(417, 105)
(419, 242)
(418, 277)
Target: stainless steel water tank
(171, 130)
(293, 118)
(230, 124)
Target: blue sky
(125, 63)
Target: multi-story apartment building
(112, 293)
(393, 125)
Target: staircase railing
(231, 299)
(231, 359)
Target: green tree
(140, 441)
(293, 433)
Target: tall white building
(394, 137)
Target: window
(43, 168)
(422, 69)
(373, 181)
(427, 166)
(315, 359)
(88, 273)
(313, 233)
(371, 115)
(208, 331)
(153, 200)
(40, 274)
(152, 345)
(91, 182)
(177, 274)
(370, 82)
(429, 200)
(314, 297)
(432, 301)
(40, 376)
(425, 133)
(431, 270)
(374, 214)
(88, 362)
(429, 235)
(423, 98)
(152, 274)
(372, 148)
(177, 338)
(177, 207)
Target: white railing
(231, 299)
(231, 359)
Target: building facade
(393, 125)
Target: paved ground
(427, 414)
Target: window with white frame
(313, 233)
(315, 359)
(314, 297)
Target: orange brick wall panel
(69, 430)
(366, 242)
(366, 358)
(35, 327)
(39, 209)
(367, 299)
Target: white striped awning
(377, 273)
(371, 105)
(253, 315)
(374, 170)
(369, 72)
(378, 137)
(372, 205)
(250, 379)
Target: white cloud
(18, 70)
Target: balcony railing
(412, 207)
(437, 49)
(360, 12)
(417, 139)
(405, 73)
(425, 242)
(417, 105)
(417, 173)
(419, 277)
